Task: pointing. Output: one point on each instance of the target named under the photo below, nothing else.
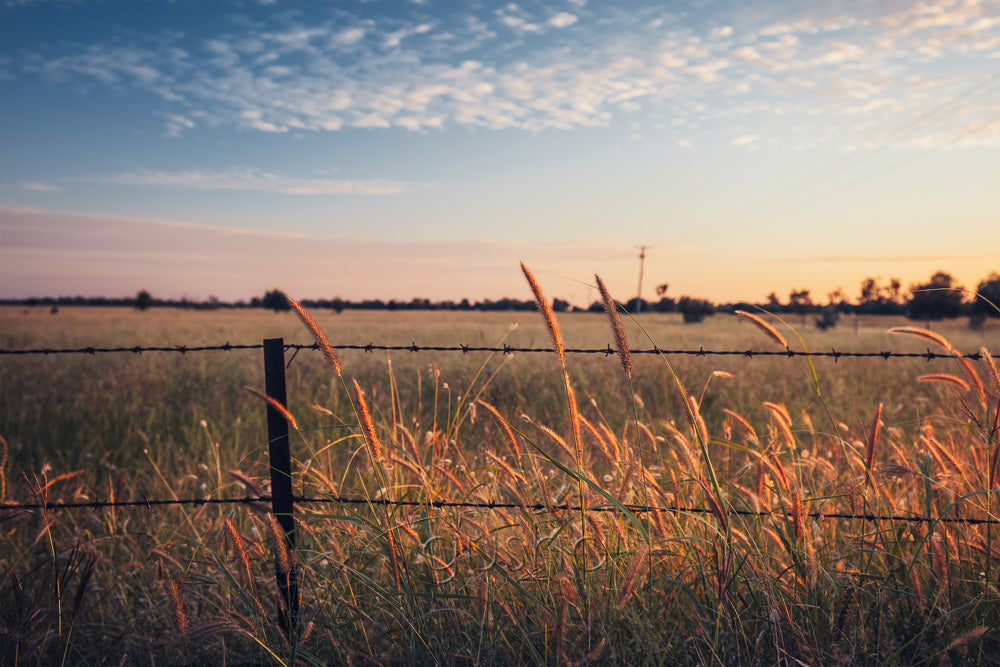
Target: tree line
(940, 297)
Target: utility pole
(642, 262)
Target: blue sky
(403, 149)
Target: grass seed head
(873, 436)
(945, 378)
(546, 310)
(926, 334)
(761, 324)
(321, 340)
(628, 585)
(276, 405)
(994, 373)
(615, 320)
(367, 425)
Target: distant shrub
(828, 317)
(695, 310)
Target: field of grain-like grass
(774, 438)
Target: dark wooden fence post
(281, 480)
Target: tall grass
(732, 566)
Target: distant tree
(800, 302)
(337, 305)
(773, 300)
(560, 306)
(935, 300)
(143, 300)
(275, 300)
(880, 299)
(987, 300)
(829, 315)
(642, 304)
(695, 310)
(836, 297)
(664, 305)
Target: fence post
(281, 481)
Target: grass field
(390, 585)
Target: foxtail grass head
(764, 326)
(615, 320)
(321, 340)
(550, 317)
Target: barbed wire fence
(505, 349)
(449, 504)
(283, 501)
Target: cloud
(746, 140)
(356, 72)
(39, 187)
(249, 179)
(562, 20)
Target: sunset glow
(395, 150)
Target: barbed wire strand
(608, 351)
(252, 500)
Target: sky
(400, 149)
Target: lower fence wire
(635, 509)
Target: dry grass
(429, 584)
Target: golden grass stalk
(778, 469)
(559, 635)
(926, 334)
(601, 443)
(945, 378)
(321, 340)
(574, 421)
(177, 598)
(739, 419)
(784, 420)
(991, 364)
(628, 585)
(394, 559)
(614, 318)
(279, 544)
(966, 639)
(973, 376)
(873, 435)
(247, 482)
(699, 421)
(276, 405)
(375, 449)
(798, 512)
(846, 602)
(994, 471)
(764, 326)
(504, 426)
(547, 313)
(713, 502)
(241, 548)
(3, 471)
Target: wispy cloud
(490, 69)
(39, 187)
(249, 179)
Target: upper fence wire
(835, 354)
